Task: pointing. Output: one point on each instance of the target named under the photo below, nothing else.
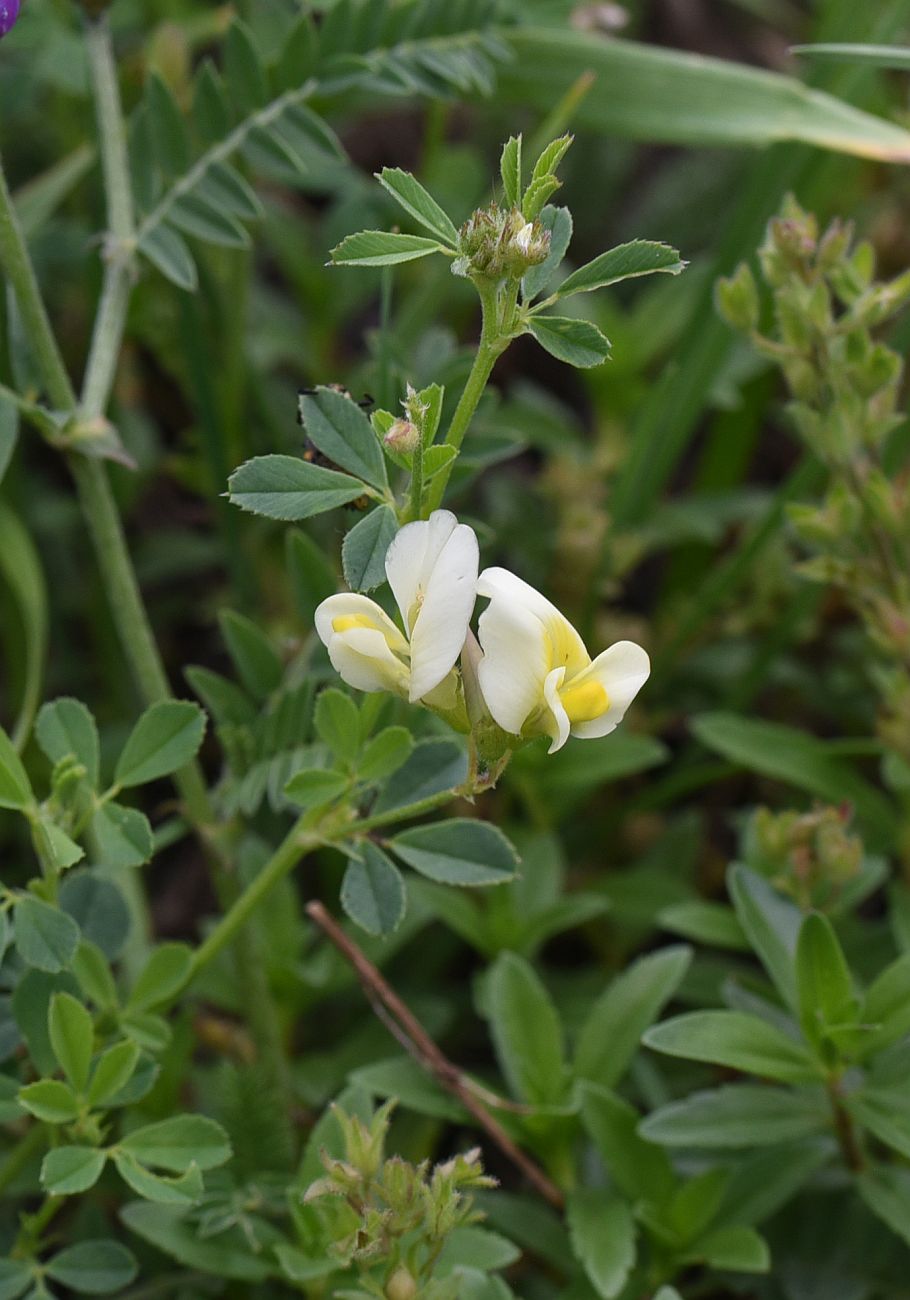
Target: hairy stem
(491, 345)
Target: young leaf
(66, 727)
(123, 835)
(458, 852)
(823, 979)
(113, 1071)
(713, 924)
(165, 738)
(342, 432)
(178, 1143)
(337, 723)
(163, 976)
(381, 248)
(610, 1036)
(641, 1170)
(434, 766)
(771, 924)
(887, 1005)
(258, 664)
(551, 156)
(244, 72)
(15, 1278)
(45, 937)
(50, 1100)
(736, 1040)
(15, 788)
(184, 1190)
(284, 487)
(167, 251)
(71, 1169)
(364, 549)
(98, 908)
(740, 1115)
(93, 1267)
(603, 1238)
(640, 257)
(510, 171)
(527, 1032)
(372, 892)
(315, 786)
(558, 221)
(737, 1248)
(385, 753)
(577, 342)
(196, 215)
(72, 1037)
(422, 206)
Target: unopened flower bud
(402, 437)
(737, 299)
(401, 1285)
(9, 12)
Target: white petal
(622, 671)
(411, 557)
(349, 604)
(515, 662)
(566, 647)
(556, 724)
(361, 656)
(441, 626)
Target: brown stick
(410, 1032)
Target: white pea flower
(536, 675)
(431, 567)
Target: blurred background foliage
(648, 497)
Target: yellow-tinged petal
(515, 662)
(621, 672)
(586, 702)
(362, 657)
(349, 610)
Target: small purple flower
(9, 12)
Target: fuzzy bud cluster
(497, 242)
(810, 856)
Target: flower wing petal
(350, 605)
(412, 556)
(557, 724)
(441, 626)
(622, 670)
(362, 658)
(515, 661)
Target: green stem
(110, 318)
(18, 269)
(296, 845)
(491, 345)
(404, 813)
(415, 502)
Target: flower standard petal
(622, 671)
(410, 560)
(566, 647)
(515, 661)
(439, 630)
(361, 656)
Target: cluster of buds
(498, 243)
(810, 856)
(389, 1200)
(844, 385)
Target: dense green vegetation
(454, 650)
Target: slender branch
(403, 813)
(110, 318)
(296, 845)
(429, 1054)
(18, 269)
(489, 348)
(844, 1129)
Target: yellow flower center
(345, 622)
(586, 702)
